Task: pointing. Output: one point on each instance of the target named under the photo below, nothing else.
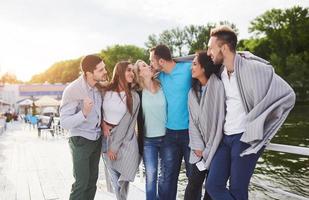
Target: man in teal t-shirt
(175, 80)
(176, 85)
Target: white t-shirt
(235, 119)
(114, 107)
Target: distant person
(120, 110)
(151, 125)
(257, 102)
(175, 79)
(80, 113)
(206, 114)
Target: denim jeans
(227, 164)
(121, 188)
(152, 148)
(175, 147)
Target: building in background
(15, 93)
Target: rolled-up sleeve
(69, 118)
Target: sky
(34, 34)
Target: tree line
(279, 36)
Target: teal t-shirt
(154, 111)
(176, 86)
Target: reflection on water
(287, 172)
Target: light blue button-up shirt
(72, 117)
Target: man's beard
(219, 59)
(160, 67)
(104, 78)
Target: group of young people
(216, 112)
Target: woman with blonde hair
(120, 110)
(151, 124)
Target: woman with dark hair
(205, 131)
(120, 148)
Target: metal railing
(304, 151)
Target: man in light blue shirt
(175, 80)
(80, 113)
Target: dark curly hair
(209, 68)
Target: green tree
(9, 78)
(197, 37)
(60, 72)
(282, 38)
(187, 40)
(284, 29)
(258, 46)
(68, 70)
(167, 37)
(111, 55)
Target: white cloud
(37, 33)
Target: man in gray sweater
(80, 113)
(257, 102)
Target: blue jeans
(227, 164)
(175, 147)
(152, 148)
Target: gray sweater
(206, 120)
(123, 141)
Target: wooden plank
(36, 169)
(47, 179)
(35, 188)
(7, 189)
(22, 188)
(7, 176)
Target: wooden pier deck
(41, 168)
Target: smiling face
(129, 74)
(100, 73)
(197, 69)
(215, 50)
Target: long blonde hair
(119, 81)
(140, 80)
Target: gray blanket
(206, 120)
(123, 141)
(267, 99)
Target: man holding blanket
(80, 113)
(257, 102)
